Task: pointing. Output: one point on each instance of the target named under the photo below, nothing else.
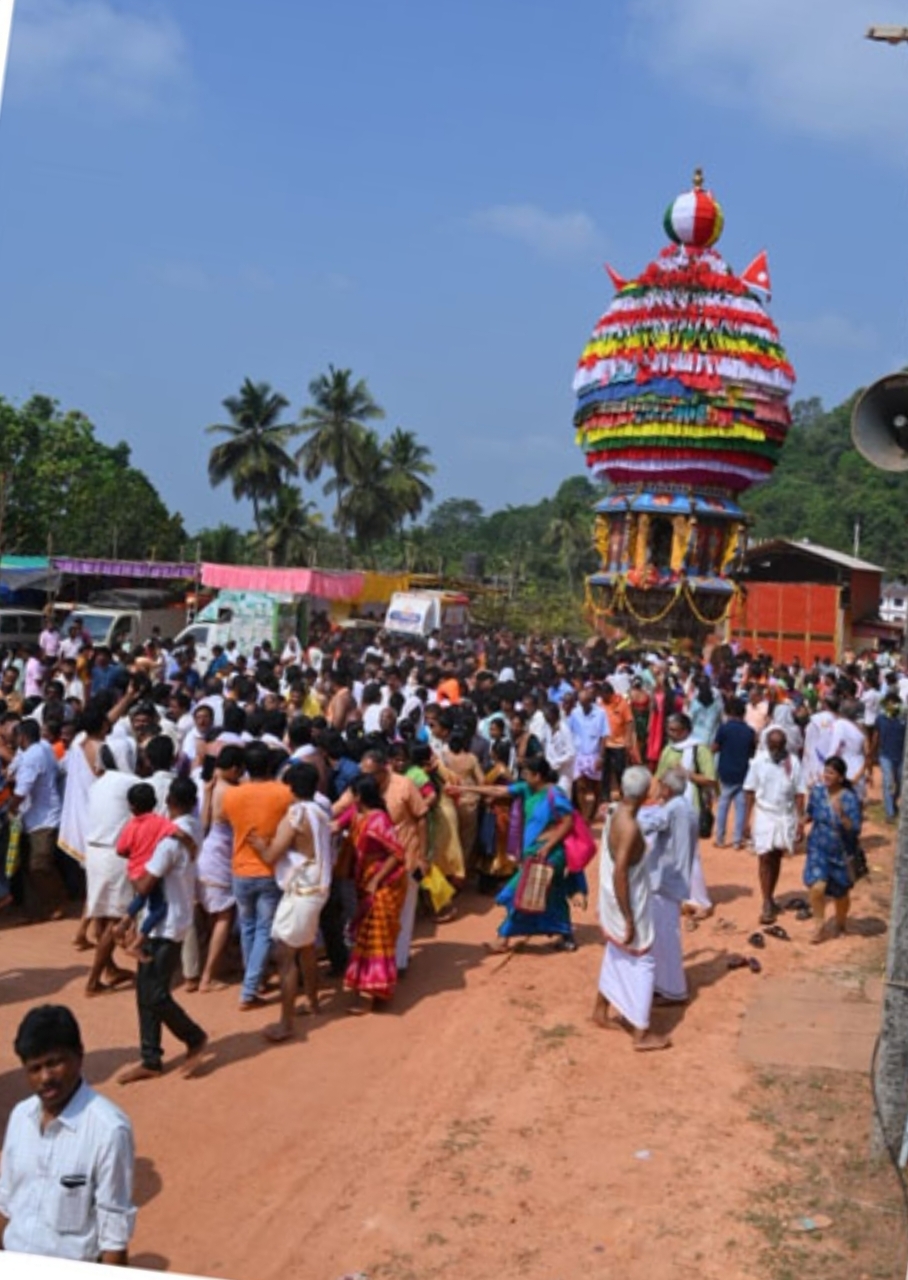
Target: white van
(419, 613)
(20, 626)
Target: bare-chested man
(626, 982)
(341, 709)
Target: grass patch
(820, 1123)
(464, 1135)
(551, 1037)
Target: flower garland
(620, 603)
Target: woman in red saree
(381, 886)
(661, 707)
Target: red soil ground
(482, 1126)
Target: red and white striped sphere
(695, 218)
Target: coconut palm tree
(254, 457)
(408, 466)
(291, 529)
(335, 426)
(569, 533)
(368, 504)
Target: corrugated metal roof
(813, 549)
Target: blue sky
(199, 190)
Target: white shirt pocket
(73, 1206)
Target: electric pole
(890, 1083)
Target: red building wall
(866, 590)
(788, 620)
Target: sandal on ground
(797, 904)
(776, 931)
(754, 965)
(757, 940)
(737, 962)
(804, 913)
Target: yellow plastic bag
(438, 888)
(13, 851)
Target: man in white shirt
(71, 646)
(559, 748)
(818, 740)
(776, 795)
(68, 1156)
(849, 742)
(171, 865)
(49, 640)
(536, 721)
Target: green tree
(367, 506)
(223, 544)
(254, 456)
(67, 491)
(335, 426)
(570, 534)
(409, 467)
(292, 529)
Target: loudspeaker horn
(879, 423)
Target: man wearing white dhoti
(673, 829)
(625, 912)
(108, 891)
(776, 794)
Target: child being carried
(138, 841)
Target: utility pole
(890, 1082)
(6, 28)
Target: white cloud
(183, 275)
(803, 64)
(339, 282)
(131, 58)
(256, 279)
(831, 331)
(551, 234)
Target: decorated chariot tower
(682, 405)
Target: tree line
(63, 490)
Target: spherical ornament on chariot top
(695, 218)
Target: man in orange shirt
(255, 807)
(618, 741)
(449, 690)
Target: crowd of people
(321, 795)
(297, 806)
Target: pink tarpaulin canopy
(321, 583)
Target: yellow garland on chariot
(683, 591)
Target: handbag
(579, 845)
(856, 863)
(707, 817)
(533, 887)
(296, 919)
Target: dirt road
(481, 1127)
